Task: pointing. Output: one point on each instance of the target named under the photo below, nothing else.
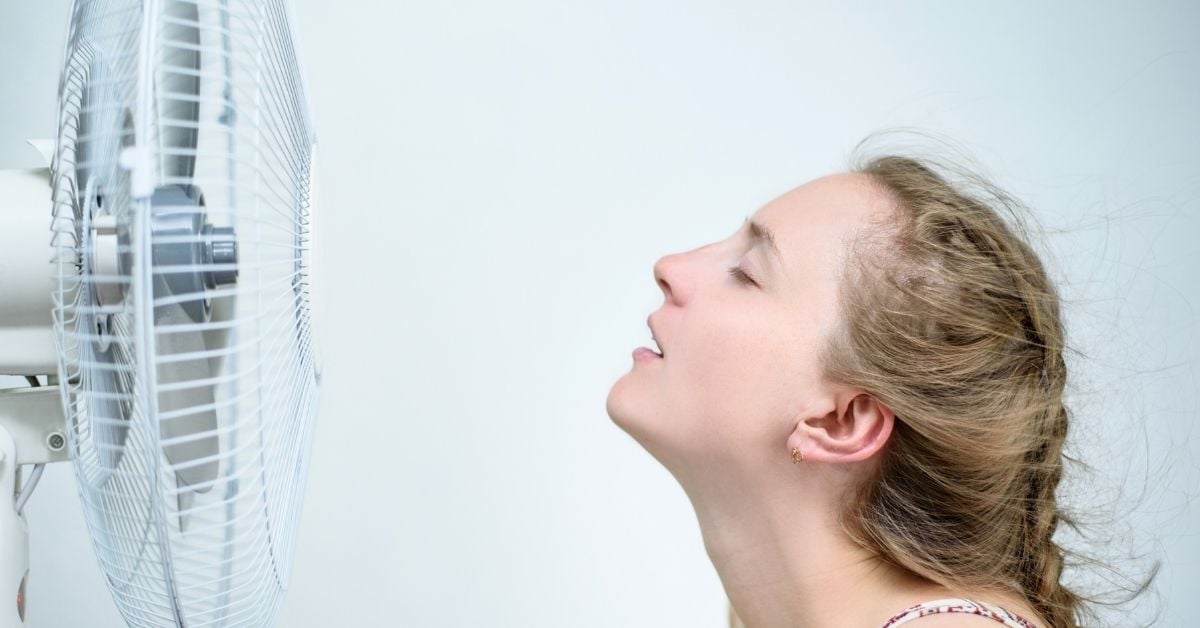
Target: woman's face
(740, 327)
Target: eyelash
(741, 276)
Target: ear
(851, 428)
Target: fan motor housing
(26, 275)
(190, 241)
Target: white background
(498, 178)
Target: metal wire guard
(182, 240)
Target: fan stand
(32, 431)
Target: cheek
(739, 366)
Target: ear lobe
(854, 430)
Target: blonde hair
(949, 318)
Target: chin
(618, 404)
(631, 408)
(629, 405)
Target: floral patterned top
(960, 605)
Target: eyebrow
(760, 233)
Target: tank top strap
(960, 605)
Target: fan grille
(182, 309)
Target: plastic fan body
(181, 203)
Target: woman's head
(905, 337)
(741, 329)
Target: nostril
(658, 270)
(661, 281)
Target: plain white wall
(498, 179)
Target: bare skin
(738, 387)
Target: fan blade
(107, 397)
(179, 104)
(101, 128)
(175, 400)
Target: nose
(666, 274)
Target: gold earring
(797, 456)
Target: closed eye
(741, 276)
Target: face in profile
(740, 328)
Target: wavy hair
(948, 317)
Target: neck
(782, 557)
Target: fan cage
(190, 402)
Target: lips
(646, 354)
(642, 354)
(654, 336)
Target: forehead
(813, 223)
(834, 203)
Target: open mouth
(647, 354)
(657, 350)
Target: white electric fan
(155, 290)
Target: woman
(860, 391)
